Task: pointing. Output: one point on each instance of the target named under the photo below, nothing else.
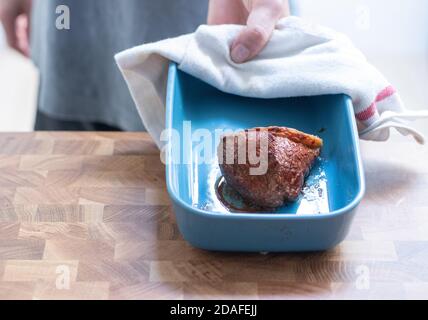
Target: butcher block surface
(93, 208)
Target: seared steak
(288, 154)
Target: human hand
(260, 18)
(15, 17)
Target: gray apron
(80, 82)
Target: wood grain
(96, 204)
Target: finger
(260, 25)
(22, 32)
(227, 12)
(24, 26)
(10, 32)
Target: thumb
(261, 23)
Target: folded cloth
(301, 59)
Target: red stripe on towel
(385, 93)
(372, 109)
(368, 113)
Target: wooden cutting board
(92, 208)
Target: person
(81, 88)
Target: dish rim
(172, 73)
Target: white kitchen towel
(301, 59)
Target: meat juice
(221, 198)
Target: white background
(18, 90)
(394, 38)
(392, 33)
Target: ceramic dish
(319, 220)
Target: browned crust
(297, 136)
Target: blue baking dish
(317, 223)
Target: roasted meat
(288, 156)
